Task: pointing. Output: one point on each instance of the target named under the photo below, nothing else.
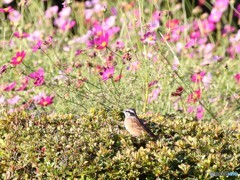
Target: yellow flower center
(45, 103)
(104, 44)
(199, 77)
(19, 59)
(99, 33)
(150, 38)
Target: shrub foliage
(98, 146)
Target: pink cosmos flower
(68, 24)
(207, 26)
(134, 66)
(190, 109)
(215, 15)
(172, 24)
(195, 96)
(207, 80)
(222, 5)
(237, 78)
(38, 76)
(10, 86)
(101, 42)
(120, 45)
(14, 16)
(200, 112)
(154, 95)
(149, 38)
(45, 101)
(18, 58)
(6, 10)
(107, 73)
(37, 46)
(50, 12)
(65, 12)
(97, 30)
(7, 1)
(197, 77)
(35, 36)
(156, 15)
(20, 35)
(14, 100)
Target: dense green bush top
(98, 146)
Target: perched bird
(134, 125)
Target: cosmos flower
(197, 77)
(10, 86)
(14, 16)
(134, 66)
(37, 46)
(18, 58)
(154, 95)
(215, 15)
(14, 100)
(149, 38)
(68, 24)
(20, 35)
(237, 78)
(107, 73)
(47, 100)
(200, 112)
(38, 76)
(50, 12)
(195, 96)
(6, 10)
(97, 30)
(101, 42)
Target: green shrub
(98, 146)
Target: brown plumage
(134, 125)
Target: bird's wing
(144, 126)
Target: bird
(134, 125)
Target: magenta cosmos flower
(45, 101)
(200, 112)
(149, 38)
(101, 42)
(197, 77)
(154, 95)
(107, 73)
(7, 9)
(195, 96)
(21, 35)
(38, 76)
(10, 86)
(18, 58)
(237, 78)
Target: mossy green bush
(97, 146)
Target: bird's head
(130, 113)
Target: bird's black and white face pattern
(129, 113)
